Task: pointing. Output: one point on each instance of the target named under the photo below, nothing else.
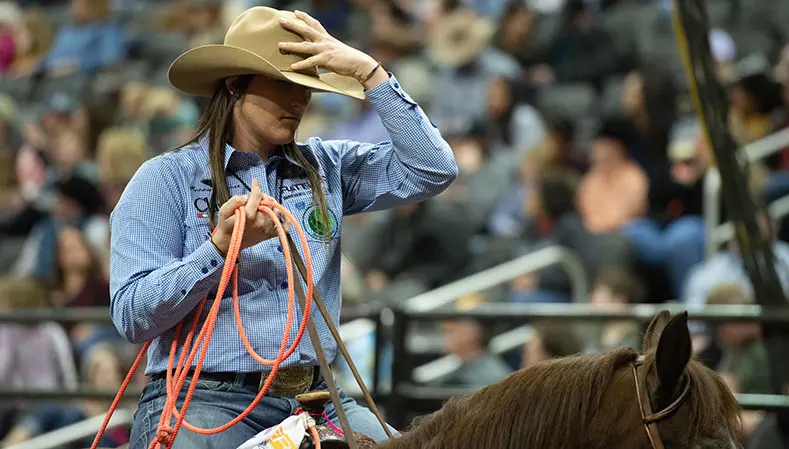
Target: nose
(301, 99)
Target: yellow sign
(280, 440)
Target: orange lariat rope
(165, 434)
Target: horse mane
(549, 405)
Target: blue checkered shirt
(163, 263)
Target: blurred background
(581, 159)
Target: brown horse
(618, 400)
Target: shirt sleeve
(415, 165)
(153, 285)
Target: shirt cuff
(205, 261)
(389, 98)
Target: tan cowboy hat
(459, 37)
(251, 47)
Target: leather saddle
(313, 403)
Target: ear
(673, 353)
(654, 330)
(231, 83)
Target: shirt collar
(239, 160)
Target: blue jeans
(677, 249)
(215, 403)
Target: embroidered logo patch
(313, 224)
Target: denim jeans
(215, 403)
(677, 249)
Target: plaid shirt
(162, 261)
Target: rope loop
(177, 372)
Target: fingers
(254, 200)
(311, 21)
(227, 209)
(301, 28)
(311, 48)
(312, 61)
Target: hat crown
(258, 30)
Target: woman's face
(517, 27)
(499, 97)
(73, 253)
(271, 110)
(632, 99)
(741, 101)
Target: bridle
(650, 419)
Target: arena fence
(720, 233)
(408, 397)
(76, 432)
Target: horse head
(619, 400)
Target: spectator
(614, 190)
(581, 50)
(102, 370)
(33, 42)
(757, 108)
(11, 23)
(549, 341)
(616, 288)
(91, 43)
(460, 46)
(726, 266)
(511, 124)
(744, 365)
(468, 340)
(516, 34)
(31, 355)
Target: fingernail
(297, 12)
(283, 20)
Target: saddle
(313, 403)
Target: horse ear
(654, 330)
(673, 352)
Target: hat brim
(200, 70)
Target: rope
(166, 433)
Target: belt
(288, 382)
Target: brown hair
(23, 292)
(217, 122)
(558, 339)
(621, 282)
(574, 402)
(729, 295)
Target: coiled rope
(166, 432)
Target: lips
(290, 117)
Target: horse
(661, 399)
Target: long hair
(216, 122)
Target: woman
(163, 260)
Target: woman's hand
(259, 225)
(329, 53)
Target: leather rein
(321, 354)
(648, 418)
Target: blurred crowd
(570, 120)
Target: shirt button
(279, 248)
(183, 292)
(396, 85)
(205, 270)
(402, 94)
(283, 285)
(213, 262)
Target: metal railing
(405, 390)
(76, 432)
(718, 233)
(540, 259)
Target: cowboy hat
(251, 47)
(459, 38)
